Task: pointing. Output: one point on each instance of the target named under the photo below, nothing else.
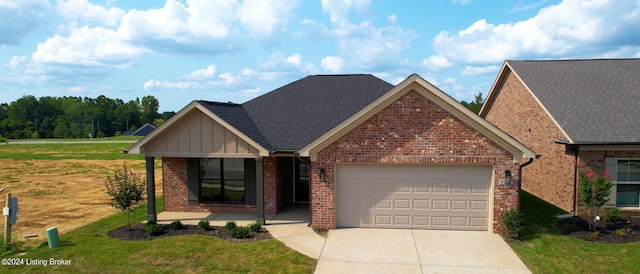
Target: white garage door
(427, 197)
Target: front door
(301, 182)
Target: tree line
(76, 117)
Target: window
(222, 181)
(628, 179)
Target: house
(581, 116)
(358, 151)
(142, 131)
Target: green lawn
(547, 251)
(92, 251)
(66, 149)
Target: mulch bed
(138, 233)
(624, 230)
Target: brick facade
(551, 177)
(412, 130)
(174, 184)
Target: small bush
(153, 228)
(230, 225)
(255, 226)
(620, 233)
(612, 215)
(175, 225)
(241, 232)
(204, 224)
(594, 235)
(512, 221)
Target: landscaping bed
(138, 233)
(623, 229)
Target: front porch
(290, 214)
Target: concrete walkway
(367, 250)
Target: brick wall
(412, 130)
(174, 178)
(551, 177)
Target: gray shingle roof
(594, 101)
(292, 116)
(235, 115)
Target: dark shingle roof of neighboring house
(594, 101)
(142, 131)
(292, 116)
(296, 114)
(235, 115)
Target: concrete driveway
(360, 250)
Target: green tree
(149, 109)
(126, 190)
(476, 104)
(594, 192)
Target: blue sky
(233, 50)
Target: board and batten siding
(198, 135)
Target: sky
(234, 50)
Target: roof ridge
(563, 60)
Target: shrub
(620, 233)
(126, 190)
(153, 228)
(230, 225)
(255, 227)
(241, 232)
(594, 235)
(204, 224)
(512, 221)
(612, 215)
(175, 225)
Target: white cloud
(90, 47)
(205, 73)
(295, 59)
(393, 18)
(261, 17)
(436, 62)
(571, 27)
(332, 64)
(18, 62)
(19, 18)
(339, 9)
(471, 70)
(72, 9)
(180, 85)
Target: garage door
(426, 197)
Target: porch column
(260, 191)
(151, 189)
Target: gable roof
(593, 101)
(294, 115)
(431, 92)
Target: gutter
(520, 180)
(575, 183)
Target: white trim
(417, 83)
(136, 148)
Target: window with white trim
(628, 183)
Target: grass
(92, 251)
(547, 251)
(59, 151)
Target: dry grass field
(66, 193)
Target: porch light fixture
(322, 175)
(508, 179)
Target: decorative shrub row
(242, 232)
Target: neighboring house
(357, 150)
(580, 116)
(142, 131)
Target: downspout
(520, 180)
(308, 162)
